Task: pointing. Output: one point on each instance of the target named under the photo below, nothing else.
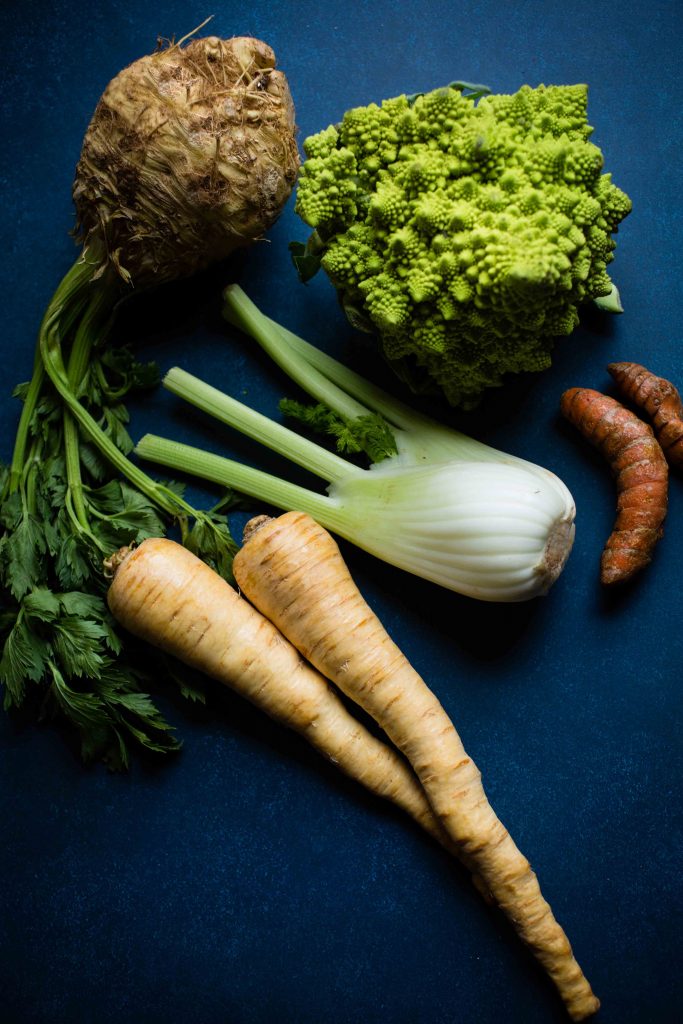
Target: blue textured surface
(244, 882)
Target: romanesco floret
(465, 234)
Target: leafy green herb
(369, 433)
(69, 499)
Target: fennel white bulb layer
(443, 506)
(491, 531)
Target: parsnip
(292, 570)
(164, 594)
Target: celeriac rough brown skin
(292, 570)
(190, 154)
(660, 400)
(641, 474)
(164, 594)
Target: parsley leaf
(122, 515)
(22, 551)
(24, 658)
(210, 538)
(63, 507)
(370, 434)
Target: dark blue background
(244, 882)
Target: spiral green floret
(466, 233)
(330, 190)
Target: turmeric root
(660, 400)
(292, 570)
(641, 474)
(164, 594)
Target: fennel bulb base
(556, 553)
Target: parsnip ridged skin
(164, 594)
(191, 153)
(292, 570)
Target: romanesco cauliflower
(465, 234)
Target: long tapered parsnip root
(641, 475)
(164, 594)
(292, 570)
(660, 400)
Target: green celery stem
(228, 473)
(20, 442)
(120, 461)
(51, 354)
(29, 476)
(228, 410)
(399, 415)
(243, 313)
(393, 410)
(64, 305)
(77, 367)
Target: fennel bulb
(487, 530)
(445, 507)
